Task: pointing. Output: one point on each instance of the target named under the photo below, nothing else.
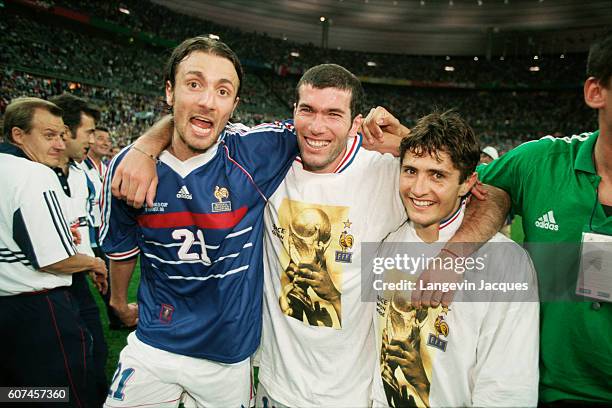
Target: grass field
(116, 339)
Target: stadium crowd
(68, 91)
(121, 75)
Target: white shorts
(263, 399)
(149, 377)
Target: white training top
(311, 353)
(33, 230)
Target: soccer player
(562, 187)
(482, 351)
(318, 345)
(80, 118)
(48, 343)
(199, 302)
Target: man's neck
(330, 167)
(602, 154)
(431, 233)
(64, 163)
(95, 158)
(428, 234)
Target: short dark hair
(599, 63)
(444, 132)
(73, 106)
(333, 76)
(102, 129)
(204, 44)
(20, 111)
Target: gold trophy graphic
(406, 385)
(309, 239)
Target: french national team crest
(346, 241)
(220, 194)
(442, 330)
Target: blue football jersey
(201, 244)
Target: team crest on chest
(442, 330)
(346, 241)
(220, 194)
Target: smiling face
(322, 119)
(202, 99)
(101, 144)
(430, 188)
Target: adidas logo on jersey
(547, 221)
(184, 193)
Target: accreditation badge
(595, 275)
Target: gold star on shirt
(347, 224)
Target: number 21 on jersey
(188, 240)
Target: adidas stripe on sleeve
(40, 228)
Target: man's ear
(356, 125)
(17, 135)
(468, 184)
(595, 93)
(235, 105)
(169, 94)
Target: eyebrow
(201, 76)
(430, 171)
(331, 110)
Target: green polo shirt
(553, 186)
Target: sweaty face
(77, 144)
(430, 188)
(44, 143)
(202, 100)
(322, 119)
(102, 144)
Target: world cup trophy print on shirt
(312, 278)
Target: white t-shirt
(474, 353)
(33, 230)
(311, 353)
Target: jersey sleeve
(40, 228)
(506, 373)
(512, 171)
(266, 152)
(119, 229)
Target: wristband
(449, 252)
(150, 156)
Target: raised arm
(135, 178)
(382, 131)
(482, 220)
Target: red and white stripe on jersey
(122, 256)
(348, 157)
(449, 220)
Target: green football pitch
(116, 339)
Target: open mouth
(316, 144)
(201, 126)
